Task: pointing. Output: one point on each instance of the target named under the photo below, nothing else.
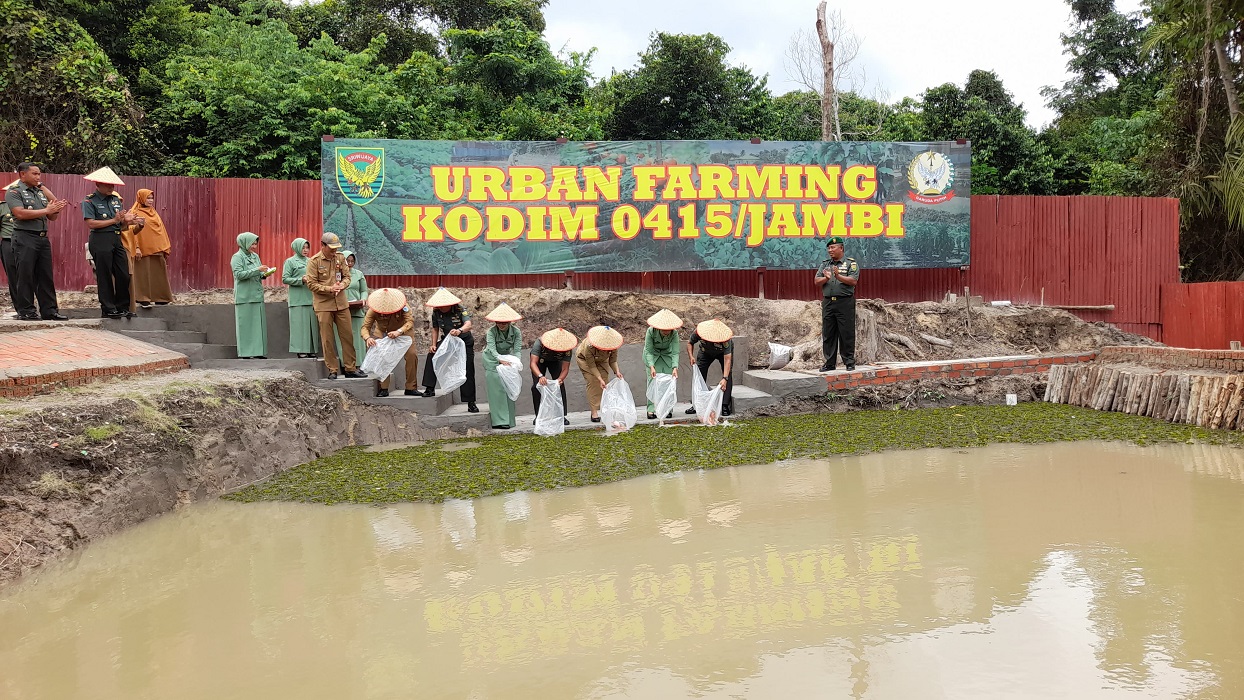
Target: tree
(806, 65)
(683, 88)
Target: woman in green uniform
(503, 338)
(661, 349)
(248, 313)
(356, 294)
(304, 329)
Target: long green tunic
(661, 350)
(304, 329)
(357, 291)
(509, 342)
(248, 313)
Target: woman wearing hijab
(356, 294)
(151, 249)
(304, 329)
(248, 313)
(661, 348)
(503, 338)
(597, 356)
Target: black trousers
(553, 368)
(468, 390)
(838, 330)
(34, 274)
(112, 271)
(9, 260)
(703, 361)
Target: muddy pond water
(1089, 570)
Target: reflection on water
(1076, 571)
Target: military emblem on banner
(931, 176)
(360, 173)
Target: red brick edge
(1174, 358)
(21, 387)
(953, 369)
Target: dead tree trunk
(827, 67)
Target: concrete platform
(42, 360)
(459, 420)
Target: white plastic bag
(707, 402)
(617, 407)
(663, 393)
(779, 355)
(382, 359)
(549, 421)
(449, 363)
(511, 376)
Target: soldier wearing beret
(837, 276)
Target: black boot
(472, 408)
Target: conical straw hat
(714, 331)
(104, 176)
(503, 314)
(604, 338)
(386, 301)
(665, 320)
(443, 297)
(559, 340)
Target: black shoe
(332, 375)
(302, 355)
(690, 411)
(727, 412)
(130, 314)
(108, 314)
(827, 367)
(56, 317)
(28, 317)
(144, 304)
(566, 421)
(427, 393)
(595, 420)
(669, 416)
(472, 408)
(381, 393)
(850, 368)
(500, 427)
(414, 392)
(652, 415)
(260, 357)
(355, 375)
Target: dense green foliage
(502, 464)
(247, 87)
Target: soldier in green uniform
(32, 208)
(449, 317)
(7, 259)
(105, 216)
(837, 276)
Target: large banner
(501, 207)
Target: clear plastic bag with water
(707, 401)
(549, 421)
(617, 407)
(663, 393)
(382, 359)
(780, 355)
(511, 376)
(449, 363)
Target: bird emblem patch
(931, 176)
(360, 173)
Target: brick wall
(955, 369)
(1174, 358)
(29, 385)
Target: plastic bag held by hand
(617, 407)
(663, 393)
(707, 402)
(382, 359)
(449, 363)
(779, 355)
(511, 376)
(549, 420)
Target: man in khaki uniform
(388, 314)
(327, 277)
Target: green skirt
(500, 407)
(304, 331)
(252, 329)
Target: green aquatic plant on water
(503, 464)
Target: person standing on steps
(597, 356)
(388, 315)
(449, 318)
(551, 354)
(304, 329)
(105, 216)
(356, 294)
(503, 338)
(7, 259)
(716, 342)
(661, 346)
(328, 276)
(249, 320)
(32, 207)
(151, 251)
(837, 277)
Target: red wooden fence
(1060, 250)
(1208, 315)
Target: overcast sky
(906, 45)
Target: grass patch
(53, 485)
(103, 432)
(503, 464)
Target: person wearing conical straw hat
(597, 356)
(388, 315)
(661, 348)
(105, 216)
(551, 353)
(249, 319)
(356, 296)
(716, 345)
(450, 318)
(32, 207)
(304, 329)
(503, 338)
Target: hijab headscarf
(152, 238)
(247, 239)
(296, 266)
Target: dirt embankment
(77, 465)
(887, 332)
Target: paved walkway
(39, 361)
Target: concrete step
(166, 336)
(141, 322)
(312, 369)
(746, 398)
(199, 352)
(778, 383)
(458, 419)
(365, 390)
